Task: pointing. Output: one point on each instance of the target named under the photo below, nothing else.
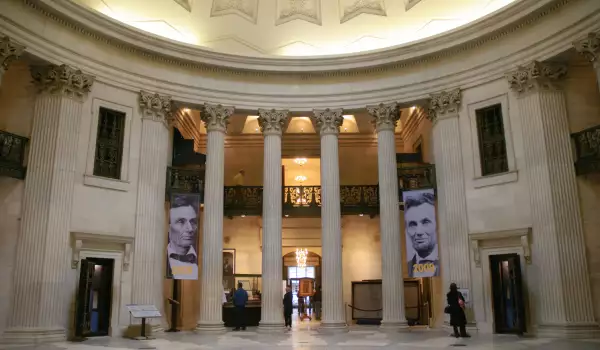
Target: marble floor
(307, 337)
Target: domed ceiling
(295, 27)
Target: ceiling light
(300, 161)
(300, 178)
(186, 110)
(243, 215)
(301, 257)
(286, 215)
(256, 129)
(361, 214)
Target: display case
(252, 284)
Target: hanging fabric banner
(182, 247)
(421, 233)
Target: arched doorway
(292, 272)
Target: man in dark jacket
(317, 298)
(288, 307)
(240, 299)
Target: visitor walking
(317, 300)
(288, 307)
(456, 305)
(240, 299)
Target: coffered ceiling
(295, 27)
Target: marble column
(328, 122)
(150, 220)
(564, 305)
(9, 52)
(451, 197)
(40, 290)
(272, 123)
(385, 117)
(216, 118)
(590, 48)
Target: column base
(333, 328)
(32, 336)
(210, 328)
(270, 327)
(569, 331)
(394, 326)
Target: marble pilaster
(385, 118)
(272, 123)
(150, 238)
(216, 118)
(9, 52)
(40, 286)
(564, 305)
(328, 122)
(451, 197)
(590, 48)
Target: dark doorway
(94, 299)
(508, 303)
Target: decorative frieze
(443, 104)
(385, 115)
(216, 117)
(155, 107)
(272, 121)
(535, 76)
(589, 46)
(247, 9)
(9, 52)
(305, 10)
(328, 120)
(62, 80)
(353, 8)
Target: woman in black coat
(458, 319)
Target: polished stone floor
(306, 337)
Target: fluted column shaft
(211, 312)
(9, 51)
(333, 320)
(386, 117)
(272, 123)
(150, 221)
(564, 295)
(451, 197)
(39, 292)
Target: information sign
(143, 311)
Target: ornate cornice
(328, 120)
(444, 104)
(62, 80)
(536, 76)
(9, 52)
(272, 121)
(82, 20)
(156, 107)
(216, 117)
(385, 115)
(589, 46)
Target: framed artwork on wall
(228, 269)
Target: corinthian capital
(216, 117)
(9, 51)
(536, 76)
(272, 121)
(62, 80)
(443, 104)
(386, 115)
(589, 46)
(155, 107)
(328, 120)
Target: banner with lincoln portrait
(421, 233)
(182, 247)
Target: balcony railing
(183, 180)
(416, 178)
(587, 147)
(243, 200)
(302, 201)
(12, 154)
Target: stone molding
(62, 80)
(305, 10)
(505, 22)
(536, 76)
(272, 121)
(358, 7)
(156, 107)
(385, 116)
(80, 240)
(589, 46)
(524, 235)
(444, 104)
(246, 9)
(216, 117)
(328, 120)
(9, 51)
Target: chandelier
(300, 161)
(300, 178)
(301, 256)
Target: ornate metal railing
(416, 177)
(183, 180)
(12, 154)
(243, 200)
(587, 147)
(363, 199)
(302, 201)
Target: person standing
(240, 299)
(317, 300)
(456, 304)
(288, 307)
(238, 182)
